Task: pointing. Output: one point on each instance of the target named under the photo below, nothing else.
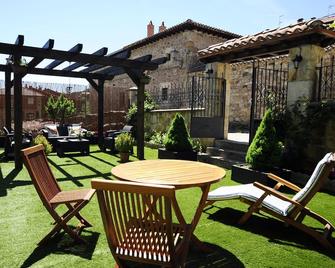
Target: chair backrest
(137, 218)
(6, 130)
(317, 179)
(39, 170)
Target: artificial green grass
(261, 242)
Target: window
(164, 93)
(30, 116)
(30, 100)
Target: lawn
(261, 242)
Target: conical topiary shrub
(178, 138)
(265, 150)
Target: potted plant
(264, 153)
(59, 109)
(177, 142)
(124, 143)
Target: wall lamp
(297, 60)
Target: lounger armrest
(275, 193)
(284, 182)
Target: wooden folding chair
(292, 211)
(138, 223)
(52, 196)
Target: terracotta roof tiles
(186, 25)
(265, 36)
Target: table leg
(195, 242)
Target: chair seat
(72, 196)
(251, 193)
(152, 246)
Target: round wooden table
(178, 173)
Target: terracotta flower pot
(124, 157)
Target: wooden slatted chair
(290, 210)
(51, 195)
(138, 223)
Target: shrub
(124, 142)
(265, 150)
(40, 139)
(158, 138)
(178, 138)
(196, 145)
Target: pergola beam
(76, 49)
(73, 57)
(118, 70)
(101, 52)
(124, 54)
(35, 61)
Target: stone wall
(159, 120)
(182, 47)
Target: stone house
(181, 42)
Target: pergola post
(140, 119)
(100, 90)
(101, 113)
(8, 102)
(17, 113)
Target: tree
(178, 138)
(265, 150)
(60, 108)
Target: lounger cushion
(252, 193)
(313, 179)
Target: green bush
(178, 138)
(265, 150)
(158, 138)
(197, 145)
(124, 143)
(40, 139)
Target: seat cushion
(251, 193)
(52, 130)
(316, 175)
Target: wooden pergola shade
(99, 67)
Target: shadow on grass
(218, 258)
(102, 160)
(273, 229)
(63, 244)
(8, 182)
(97, 172)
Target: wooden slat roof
(93, 62)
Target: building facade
(181, 43)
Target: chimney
(162, 27)
(150, 29)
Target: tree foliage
(178, 138)
(265, 150)
(60, 108)
(40, 139)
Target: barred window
(164, 93)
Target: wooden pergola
(96, 68)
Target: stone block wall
(159, 120)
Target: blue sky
(117, 23)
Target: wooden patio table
(178, 173)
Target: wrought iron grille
(174, 96)
(269, 90)
(203, 90)
(207, 96)
(326, 81)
